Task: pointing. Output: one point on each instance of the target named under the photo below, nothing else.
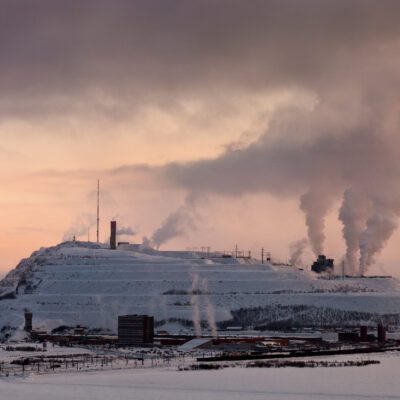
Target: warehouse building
(135, 330)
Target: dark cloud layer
(58, 55)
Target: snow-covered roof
(194, 344)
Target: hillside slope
(87, 284)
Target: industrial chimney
(113, 236)
(363, 333)
(28, 321)
(381, 334)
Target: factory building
(135, 330)
(322, 264)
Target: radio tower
(98, 209)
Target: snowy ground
(77, 283)
(371, 382)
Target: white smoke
(194, 301)
(126, 230)
(296, 251)
(80, 226)
(146, 243)
(316, 203)
(380, 227)
(209, 308)
(177, 223)
(354, 212)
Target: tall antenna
(98, 209)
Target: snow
(88, 284)
(51, 350)
(379, 381)
(193, 344)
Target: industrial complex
(129, 303)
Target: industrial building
(322, 264)
(135, 330)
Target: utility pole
(343, 270)
(262, 255)
(98, 209)
(236, 251)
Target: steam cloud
(353, 213)
(194, 301)
(296, 251)
(380, 227)
(177, 223)
(201, 286)
(315, 205)
(209, 308)
(80, 226)
(126, 230)
(360, 165)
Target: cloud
(100, 58)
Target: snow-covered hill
(87, 284)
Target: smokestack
(28, 322)
(363, 333)
(381, 334)
(113, 236)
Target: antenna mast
(98, 209)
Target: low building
(135, 330)
(348, 336)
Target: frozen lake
(371, 382)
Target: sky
(208, 122)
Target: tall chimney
(113, 236)
(363, 333)
(381, 334)
(28, 321)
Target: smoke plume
(315, 204)
(354, 212)
(80, 226)
(209, 308)
(380, 227)
(356, 161)
(194, 301)
(146, 243)
(126, 230)
(296, 251)
(177, 223)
